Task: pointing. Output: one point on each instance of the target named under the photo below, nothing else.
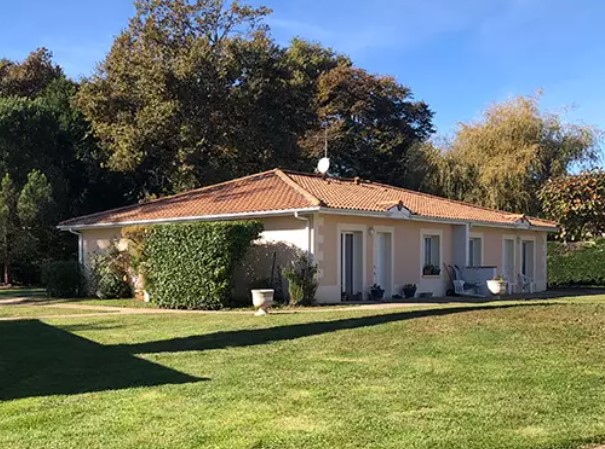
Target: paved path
(93, 310)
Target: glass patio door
(527, 258)
(351, 265)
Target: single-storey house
(358, 232)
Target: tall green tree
(372, 124)
(164, 103)
(577, 203)
(37, 215)
(504, 159)
(8, 226)
(30, 77)
(193, 93)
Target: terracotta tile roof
(278, 190)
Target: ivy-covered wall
(190, 266)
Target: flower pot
(377, 294)
(262, 299)
(409, 292)
(496, 287)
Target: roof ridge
(541, 219)
(164, 198)
(299, 189)
(414, 192)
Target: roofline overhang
(215, 217)
(388, 214)
(520, 225)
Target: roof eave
(424, 218)
(214, 217)
(403, 215)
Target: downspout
(307, 221)
(80, 246)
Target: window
(474, 252)
(431, 251)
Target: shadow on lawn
(251, 337)
(39, 360)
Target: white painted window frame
(476, 235)
(430, 233)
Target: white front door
(383, 262)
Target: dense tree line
(193, 93)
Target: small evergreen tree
(8, 224)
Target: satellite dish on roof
(323, 165)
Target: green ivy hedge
(190, 266)
(577, 263)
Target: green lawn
(510, 376)
(32, 311)
(130, 303)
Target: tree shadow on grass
(252, 337)
(37, 359)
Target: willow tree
(503, 160)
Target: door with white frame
(351, 265)
(528, 258)
(383, 262)
(508, 259)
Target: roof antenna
(324, 163)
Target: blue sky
(459, 56)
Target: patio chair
(461, 287)
(526, 283)
(510, 284)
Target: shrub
(109, 275)
(63, 279)
(302, 284)
(190, 266)
(576, 263)
(577, 203)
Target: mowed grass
(523, 375)
(32, 311)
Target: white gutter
(425, 219)
(242, 215)
(80, 245)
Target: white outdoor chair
(510, 285)
(526, 284)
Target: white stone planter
(496, 287)
(262, 300)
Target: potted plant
(302, 284)
(409, 290)
(497, 286)
(431, 270)
(376, 292)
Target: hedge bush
(109, 275)
(190, 266)
(63, 279)
(576, 263)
